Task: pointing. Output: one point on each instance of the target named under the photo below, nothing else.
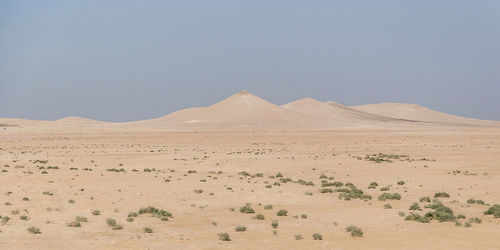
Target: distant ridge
(247, 112)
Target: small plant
(298, 237)
(355, 231)
(81, 219)
(317, 236)
(441, 195)
(387, 206)
(111, 222)
(268, 207)
(34, 230)
(247, 210)
(425, 199)
(224, 237)
(71, 201)
(401, 182)
(74, 224)
(260, 217)
(26, 199)
(389, 196)
(147, 230)
(493, 210)
(417, 217)
(96, 212)
(282, 212)
(415, 206)
(240, 229)
(24, 217)
(274, 224)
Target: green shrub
(96, 212)
(389, 196)
(415, 206)
(274, 224)
(317, 236)
(401, 182)
(417, 217)
(147, 230)
(74, 224)
(440, 213)
(34, 230)
(247, 210)
(355, 231)
(441, 195)
(425, 199)
(240, 229)
(298, 237)
(260, 217)
(111, 222)
(282, 212)
(268, 207)
(493, 210)
(224, 237)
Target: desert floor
(203, 179)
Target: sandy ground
(82, 184)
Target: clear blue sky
(131, 60)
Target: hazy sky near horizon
(133, 60)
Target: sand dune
(245, 111)
(419, 113)
(242, 110)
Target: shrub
(81, 219)
(387, 206)
(471, 201)
(415, 206)
(96, 212)
(111, 222)
(247, 210)
(117, 227)
(224, 237)
(460, 216)
(355, 231)
(440, 213)
(298, 237)
(425, 199)
(493, 210)
(267, 207)
(34, 230)
(387, 188)
(417, 217)
(282, 212)
(317, 236)
(147, 230)
(240, 229)
(260, 217)
(441, 195)
(401, 182)
(274, 224)
(388, 196)
(74, 224)
(475, 220)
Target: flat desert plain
(247, 174)
(203, 179)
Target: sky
(134, 60)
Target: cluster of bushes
(389, 196)
(351, 192)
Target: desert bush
(298, 237)
(425, 199)
(274, 224)
(441, 195)
(74, 224)
(147, 230)
(224, 237)
(282, 212)
(415, 206)
(240, 229)
(387, 206)
(260, 217)
(417, 217)
(34, 230)
(268, 207)
(493, 210)
(389, 196)
(401, 182)
(96, 212)
(317, 236)
(355, 231)
(247, 210)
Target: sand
(166, 168)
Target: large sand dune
(244, 111)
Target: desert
(250, 177)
